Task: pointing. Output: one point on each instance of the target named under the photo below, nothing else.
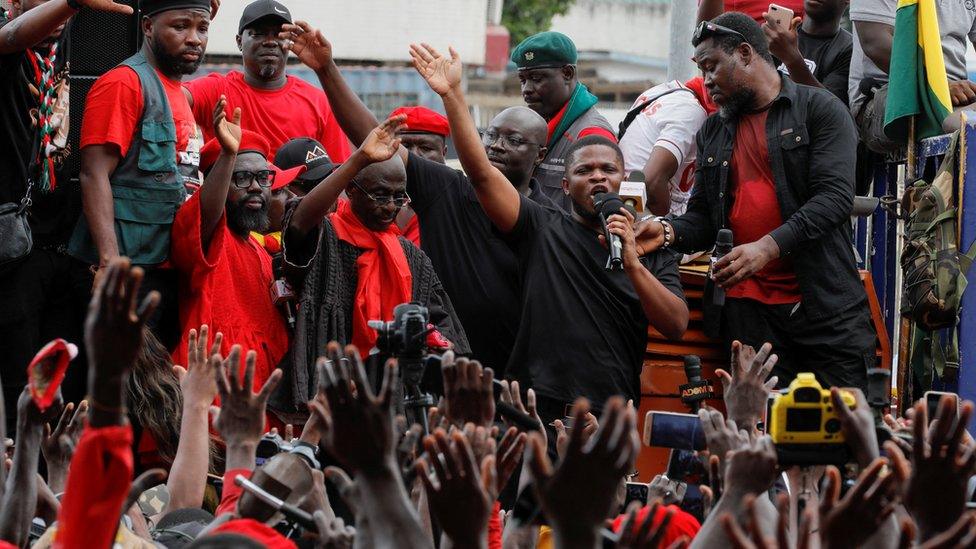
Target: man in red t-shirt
(123, 139)
(278, 106)
(225, 275)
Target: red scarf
(384, 275)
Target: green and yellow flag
(918, 84)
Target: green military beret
(546, 49)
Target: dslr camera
(805, 427)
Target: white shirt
(671, 123)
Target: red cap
(258, 531)
(682, 524)
(424, 120)
(697, 85)
(250, 142)
(285, 177)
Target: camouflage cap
(546, 49)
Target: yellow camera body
(806, 415)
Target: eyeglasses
(243, 179)
(398, 200)
(489, 137)
(707, 29)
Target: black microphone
(608, 204)
(281, 293)
(696, 390)
(723, 245)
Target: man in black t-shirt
(36, 294)
(478, 268)
(816, 51)
(583, 328)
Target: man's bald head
(523, 126)
(528, 122)
(381, 181)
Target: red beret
(422, 119)
(250, 142)
(682, 524)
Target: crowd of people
(212, 279)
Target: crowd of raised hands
(402, 488)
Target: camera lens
(806, 394)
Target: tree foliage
(523, 18)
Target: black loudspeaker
(97, 42)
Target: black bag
(15, 233)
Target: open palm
(307, 44)
(441, 73)
(382, 143)
(228, 132)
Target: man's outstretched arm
(315, 51)
(33, 26)
(497, 196)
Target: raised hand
(851, 521)
(468, 392)
(334, 533)
(198, 380)
(358, 424)
(753, 538)
(113, 329)
(461, 496)
(507, 456)
(941, 467)
(745, 390)
(721, 435)
(227, 130)
(751, 470)
(382, 142)
(307, 43)
(578, 494)
(240, 420)
(58, 445)
(589, 426)
(107, 5)
(857, 425)
(443, 74)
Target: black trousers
(43, 297)
(838, 349)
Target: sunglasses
(707, 29)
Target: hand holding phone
(779, 16)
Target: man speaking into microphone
(584, 328)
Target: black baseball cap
(308, 152)
(259, 9)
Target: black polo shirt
(478, 268)
(583, 330)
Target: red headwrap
(385, 280)
(697, 85)
(422, 119)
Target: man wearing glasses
(352, 266)
(224, 274)
(777, 168)
(479, 269)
